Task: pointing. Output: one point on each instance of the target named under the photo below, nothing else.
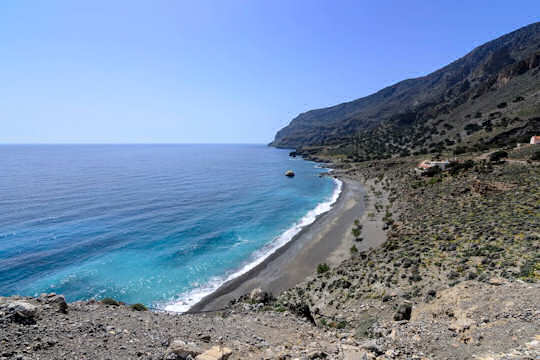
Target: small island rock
(289, 173)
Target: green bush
(472, 128)
(354, 249)
(434, 180)
(404, 153)
(498, 155)
(341, 325)
(432, 171)
(536, 156)
(460, 150)
(110, 301)
(322, 268)
(138, 307)
(455, 167)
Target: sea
(162, 225)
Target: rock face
(448, 99)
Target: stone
(315, 355)
(60, 302)
(403, 312)
(461, 325)
(355, 353)
(497, 281)
(372, 346)
(205, 338)
(21, 312)
(215, 353)
(180, 350)
(257, 296)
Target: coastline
(199, 294)
(326, 239)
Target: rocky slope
(490, 95)
(497, 320)
(465, 242)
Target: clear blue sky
(217, 71)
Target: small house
(535, 140)
(426, 164)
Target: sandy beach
(328, 239)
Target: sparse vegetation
(110, 301)
(455, 167)
(138, 307)
(322, 268)
(498, 156)
(432, 171)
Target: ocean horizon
(159, 224)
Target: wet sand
(327, 239)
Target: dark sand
(298, 259)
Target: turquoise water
(159, 224)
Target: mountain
(492, 94)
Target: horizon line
(135, 143)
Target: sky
(234, 71)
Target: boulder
(372, 346)
(317, 355)
(403, 312)
(180, 350)
(497, 281)
(289, 173)
(215, 353)
(205, 338)
(356, 353)
(56, 300)
(21, 312)
(257, 296)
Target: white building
(426, 164)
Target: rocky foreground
(456, 279)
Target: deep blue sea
(162, 225)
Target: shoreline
(280, 242)
(324, 240)
(198, 294)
